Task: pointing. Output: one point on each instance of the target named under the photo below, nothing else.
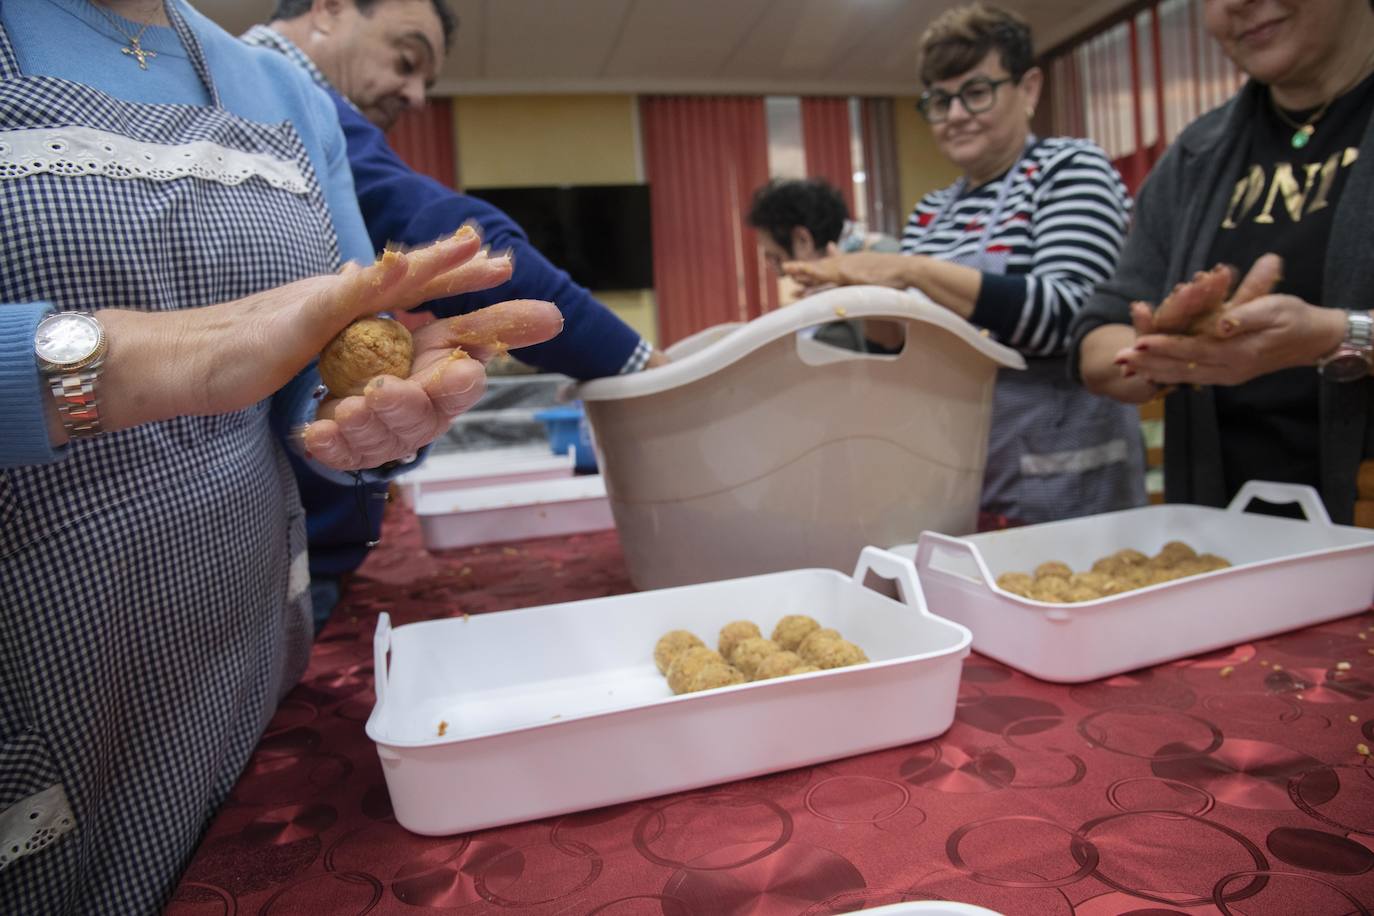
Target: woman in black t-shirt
(1276, 388)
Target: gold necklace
(1303, 132)
(135, 48)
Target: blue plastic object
(568, 428)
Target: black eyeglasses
(976, 95)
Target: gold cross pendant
(136, 51)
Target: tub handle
(889, 565)
(934, 545)
(1314, 510)
(381, 645)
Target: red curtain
(424, 139)
(703, 157)
(825, 139)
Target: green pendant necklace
(1302, 133)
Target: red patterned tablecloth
(1233, 783)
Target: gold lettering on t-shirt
(1300, 199)
(1248, 191)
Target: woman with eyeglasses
(1277, 387)
(1016, 246)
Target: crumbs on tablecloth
(1362, 749)
(510, 551)
(1354, 718)
(1342, 666)
(443, 728)
(1226, 672)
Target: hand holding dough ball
(367, 348)
(670, 645)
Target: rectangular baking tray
(513, 512)
(484, 468)
(560, 708)
(1286, 574)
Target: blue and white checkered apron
(147, 632)
(1055, 450)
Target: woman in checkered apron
(153, 586)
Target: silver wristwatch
(1352, 360)
(70, 348)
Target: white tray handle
(1281, 494)
(899, 569)
(932, 543)
(381, 645)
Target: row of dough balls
(799, 645)
(1123, 571)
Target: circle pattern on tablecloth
(1137, 688)
(1030, 769)
(994, 713)
(289, 824)
(857, 799)
(955, 885)
(286, 778)
(721, 819)
(535, 884)
(643, 905)
(948, 768)
(336, 893)
(444, 874)
(1185, 837)
(1154, 793)
(1242, 773)
(1115, 903)
(1270, 878)
(1006, 829)
(785, 882)
(1317, 850)
(1347, 804)
(1120, 731)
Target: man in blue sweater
(375, 59)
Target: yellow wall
(511, 141)
(922, 168)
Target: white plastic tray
(1286, 574)
(485, 468)
(560, 708)
(513, 512)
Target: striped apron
(1055, 450)
(153, 588)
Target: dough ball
(1018, 583)
(367, 348)
(750, 652)
(670, 644)
(817, 638)
(1210, 562)
(734, 633)
(1053, 568)
(714, 675)
(792, 629)
(1130, 557)
(1077, 593)
(1058, 586)
(837, 653)
(777, 665)
(687, 664)
(1173, 553)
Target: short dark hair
(959, 38)
(291, 9)
(783, 204)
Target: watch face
(66, 338)
(1346, 367)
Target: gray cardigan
(1176, 218)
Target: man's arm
(401, 206)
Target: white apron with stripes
(150, 620)
(1055, 450)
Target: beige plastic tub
(764, 450)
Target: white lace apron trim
(34, 822)
(72, 151)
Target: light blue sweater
(71, 39)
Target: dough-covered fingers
(483, 271)
(1264, 276)
(492, 330)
